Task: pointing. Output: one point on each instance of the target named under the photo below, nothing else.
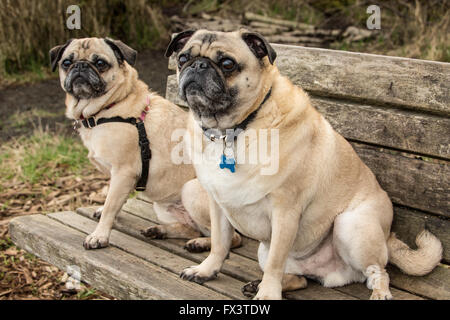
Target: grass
(42, 156)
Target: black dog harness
(144, 143)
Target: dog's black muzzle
(83, 81)
(203, 87)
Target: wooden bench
(394, 111)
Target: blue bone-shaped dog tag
(228, 163)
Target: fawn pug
(322, 214)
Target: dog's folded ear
(122, 51)
(178, 41)
(56, 54)
(259, 46)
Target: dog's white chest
(241, 197)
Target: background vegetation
(410, 28)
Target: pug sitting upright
(123, 125)
(322, 214)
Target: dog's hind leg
(361, 242)
(120, 187)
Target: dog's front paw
(251, 288)
(198, 245)
(98, 213)
(381, 295)
(94, 241)
(196, 274)
(155, 232)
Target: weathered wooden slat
(315, 290)
(236, 266)
(418, 84)
(224, 284)
(249, 248)
(409, 181)
(399, 129)
(111, 270)
(435, 285)
(411, 83)
(248, 272)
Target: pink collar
(146, 109)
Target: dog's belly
(324, 265)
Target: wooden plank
(408, 83)
(407, 224)
(249, 248)
(409, 181)
(224, 284)
(315, 290)
(399, 129)
(172, 91)
(236, 266)
(435, 285)
(418, 84)
(111, 270)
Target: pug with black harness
(322, 214)
(128, 132)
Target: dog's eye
(182, 60)
(101, 64)
(66, 63)
(228, 64)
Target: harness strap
(144, 143)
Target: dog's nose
(81, 65)
(200, 64)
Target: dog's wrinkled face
(220, 74)
(89, 67)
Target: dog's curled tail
(415, 262)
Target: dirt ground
(23, 109)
